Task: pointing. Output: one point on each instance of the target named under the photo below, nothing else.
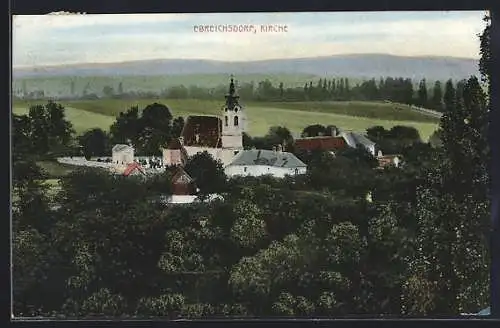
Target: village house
(336, 143)
(134, 168)
(389, 160)
(322, 143)
(122, 154)
(257, 162)
(221, 136)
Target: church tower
(233, 120)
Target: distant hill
(355, 66)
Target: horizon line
(235, 61)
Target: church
(221, 136)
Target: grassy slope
(82, 120)
(347, 115)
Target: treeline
(399, 90)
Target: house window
(296, 171)
(245, 169)
(236, 152)
(236, 121)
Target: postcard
(180, 166)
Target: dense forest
(343, 239)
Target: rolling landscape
(157, 75)
(345, 178)
(358, 116)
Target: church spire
(231, 97)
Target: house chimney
(197, 137)
(274, 148)
(181, 141)
(280, 148)
(379, 154)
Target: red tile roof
(208, 128)
(321, 143)
(132, 167)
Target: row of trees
(400, 90)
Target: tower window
(236, 121)
(226, 120)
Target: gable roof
(267, 157)
(132, 167)
(354, 139)
(121, 147)
(320, 143)
(209, 129)
(179, 174)
(174, 144)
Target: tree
(95, 142)
(452, 212)
(108, 91)
(49, 129)
(422, 93)
(313, 131)
(207, 173)
(281, 90)
(72, 87)
(120, 88)
(126, 127)
(437, 97)
(279, 135)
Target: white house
(122, 154)
(257, 162)
(220, 136)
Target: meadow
(355, 115)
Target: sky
(44, 40)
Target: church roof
(208, 129)
(267, 157)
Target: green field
(356, 115)
(82, 120)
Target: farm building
(261, 162)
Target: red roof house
(134, 168)
(182, 183)
(325, 143)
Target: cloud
(57, 39)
